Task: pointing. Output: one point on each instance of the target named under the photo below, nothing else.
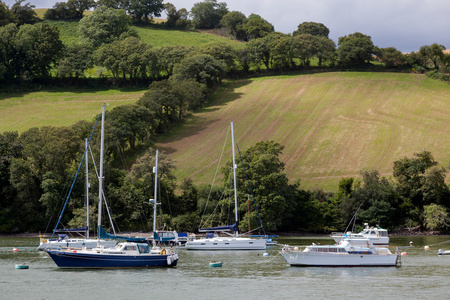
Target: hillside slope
(332, 124)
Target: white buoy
(15, 249)
(426, 248)
(266, 254)
(403, 253)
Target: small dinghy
(215, 264)
(443, 252)
(22, 266)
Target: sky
(404, 24)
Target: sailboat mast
(155, 197)
(234, 176)
(100, 179)
(87, 188)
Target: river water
(244, 275)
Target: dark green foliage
(24, 14)
(378, 199)
(72, 9)
(392, 57)
(77, 59)
(29, 51)
(104, 26)
(144, 9)
(176, 18)
(6, 15)
(207, 14)
(256, 27)
(201, 68)
(432, 55)
(131, 124)
(234, 22)
(127, 58)
(312, 28)
(355, 49)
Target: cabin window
(250, 242)
(227, 243)
(202, 243)
(214, 243)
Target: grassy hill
(20, 111)
(332, 124)
(155, 36)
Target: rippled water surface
(244, 275)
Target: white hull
(226, 243)
(339, 260)
(76, 244)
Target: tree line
(37, 166)
(30, 49)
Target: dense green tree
(10, 148)
(24, 14)
(207, 14)
(432, 55)
(77, 59)
(378, 201)
(284, 51)
(130, 124)
(436, 217)
(202, 68)
(79, 6)
(312, 28)
(222, 52)
(142, 177)
(234, 22)
(129, 58)
(60, 11)
(420, 181)
(169, 56)
(31, 50)
(392, 57)
(257, 27)
(355, 49)
(260, 52)
(104, 26)
(243, 58)
(6, 15)
(261, 170)
(145, 9)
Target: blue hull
(65, 259)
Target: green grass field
(332, 125)
(21, 111)
(157, 37)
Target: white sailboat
(64, 241)
(232, 242)
(123, 255)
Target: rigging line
(250, 188)
(103, 193)
(214, 178)
(74, 180)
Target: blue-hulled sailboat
(123, 255)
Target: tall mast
(100, 179)
(234, 176)
(87, 187)
(155, 170)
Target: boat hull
(226, 244)
(308, 259)
(70, 259)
